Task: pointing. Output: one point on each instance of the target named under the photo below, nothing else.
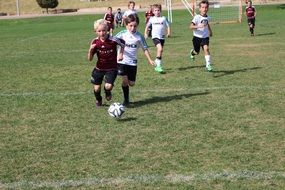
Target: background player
(109, 17)
(159, 26)
(201, 33)
(105, 47)
(250, 12)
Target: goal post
(220, 11)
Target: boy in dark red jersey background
(105, 47)
(250, 13)
(149, 13)
(110, 18)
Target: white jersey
(159, 26)
(133, 41)
(129, 12)
(201, 32)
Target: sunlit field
(186, 129)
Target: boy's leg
(159, 49)
(110, 78)
(97, 93)
(196, 47)
(207, 58)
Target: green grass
(189, 129)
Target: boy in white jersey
(131, 10)
(159, 26)
(127, 68)
(201, 33)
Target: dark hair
(132, 18)
(204, 2)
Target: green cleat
(192, 57)
(209, 68)
(158, 69)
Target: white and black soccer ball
(116, 110)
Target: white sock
(208, 59)
(158, 62)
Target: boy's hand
(151, 62)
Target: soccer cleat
(158, 69)
(209, 68)
(192, 57)
(98, 103)
(126, 103)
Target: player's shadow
(222, 73)
(266, 34)
(190, 67)
(157, 99)
(125, 119)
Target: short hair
(131, 2)
(204, 2)
(156, 6)
(132, 18)
(100, 22)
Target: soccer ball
(116, 110)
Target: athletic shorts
(128, 70)
(198, 42)
(251, 21)
(158, 41)
(98, 76)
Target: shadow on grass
(157, 99)
(266, 34)
(190, 67)
(282, 6)
(231, 72)
(126, 119)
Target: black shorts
(158, 41)
(251, 21)
(98, 76)
(128, 70)
(198, 42)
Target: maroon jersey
(148, 14)
(250, 11)
(107, 52)
(110, 18)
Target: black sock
(126, 93)
(107, 92)
(98, 96)
(158, 58)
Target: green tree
(46, 4)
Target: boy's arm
(194, 26)
(168, 31)
(90, 54)
(147, 54)
(145, 31)
(210, 30)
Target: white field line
(163, 90)
(149, 179)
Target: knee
(108, 86)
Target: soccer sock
(98, 96)
(107, 92)
(126, 93)
(251, 30)
(158, 61)
(208, 59)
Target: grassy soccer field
(188, 129)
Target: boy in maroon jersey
(109, 17)
(149, 13)
(250, 12)
(105, 47)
